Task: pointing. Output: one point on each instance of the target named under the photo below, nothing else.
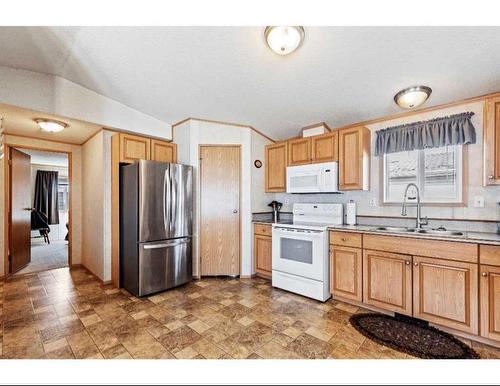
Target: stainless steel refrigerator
(156, 214)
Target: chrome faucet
(420, 221)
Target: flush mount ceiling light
(284, 39)
(412, 97)
(51, 125)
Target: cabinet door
(134, 148)
(446, 292)
(325, 147)
(354, 159)
(276, 162)
(299, 151)
(490, 302)
(345, 273)
(263, 255)
(387, 281)
(163, 151)
(491, 142)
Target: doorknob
(235, 210)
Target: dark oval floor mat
(411, 337)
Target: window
(436, 171)
(63, 194)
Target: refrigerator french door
(156, 211)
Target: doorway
(39, 205)
(220, 168)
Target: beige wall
(96, 217)
(76, 193)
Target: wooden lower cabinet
(490, 302)
(446, 292)
(387, 281)
(263, 253)
(346, 272)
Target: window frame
(462, 156)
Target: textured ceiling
(340, 75)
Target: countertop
(468, 237)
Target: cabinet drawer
(346, 239)
(262, 229)
(489, 254)
(449, 250)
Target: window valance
(451, 130)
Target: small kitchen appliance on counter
(276, 206)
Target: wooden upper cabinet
(325, 147)
(491, 142)
(387, 281)
(275, 166)
(134, 148)
(163, 151)
(446, 292)
(490, 302)
(346, 272)
(354, 158)
(299, 151)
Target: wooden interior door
(490, 302)
(220, 206)
(163, 151)
(276, 163)
(387, 281)
(346, 273)
(20, 210)
(299, 151)
(325, 147)
(446, 292)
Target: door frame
(198, 202)
(7, 189)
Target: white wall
(96, 217)
(474, 177)
(193, 133)
(56, 95)
(259, 198)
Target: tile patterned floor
(69, 314)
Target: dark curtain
(46, 195)
(445, 131)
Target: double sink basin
(435, 232)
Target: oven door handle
(296, 230)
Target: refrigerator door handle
(166, 245)
(166, 191)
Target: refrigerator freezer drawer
(164, 264)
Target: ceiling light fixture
(284, 39)
(51, 125)
(412, 97)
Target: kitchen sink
(440, 232)
(395, 229)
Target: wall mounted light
(51, 125)
(412, 97)
(284, 39)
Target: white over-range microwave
(312, 178)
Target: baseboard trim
(248, 276)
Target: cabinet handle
(415, 264)
(343, 239)
(484, 274)
(407, 262)
(490, 177)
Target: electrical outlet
(287, 201)
(373, 201)
(478, 201)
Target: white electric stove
(300, 250)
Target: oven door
(299, 252)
